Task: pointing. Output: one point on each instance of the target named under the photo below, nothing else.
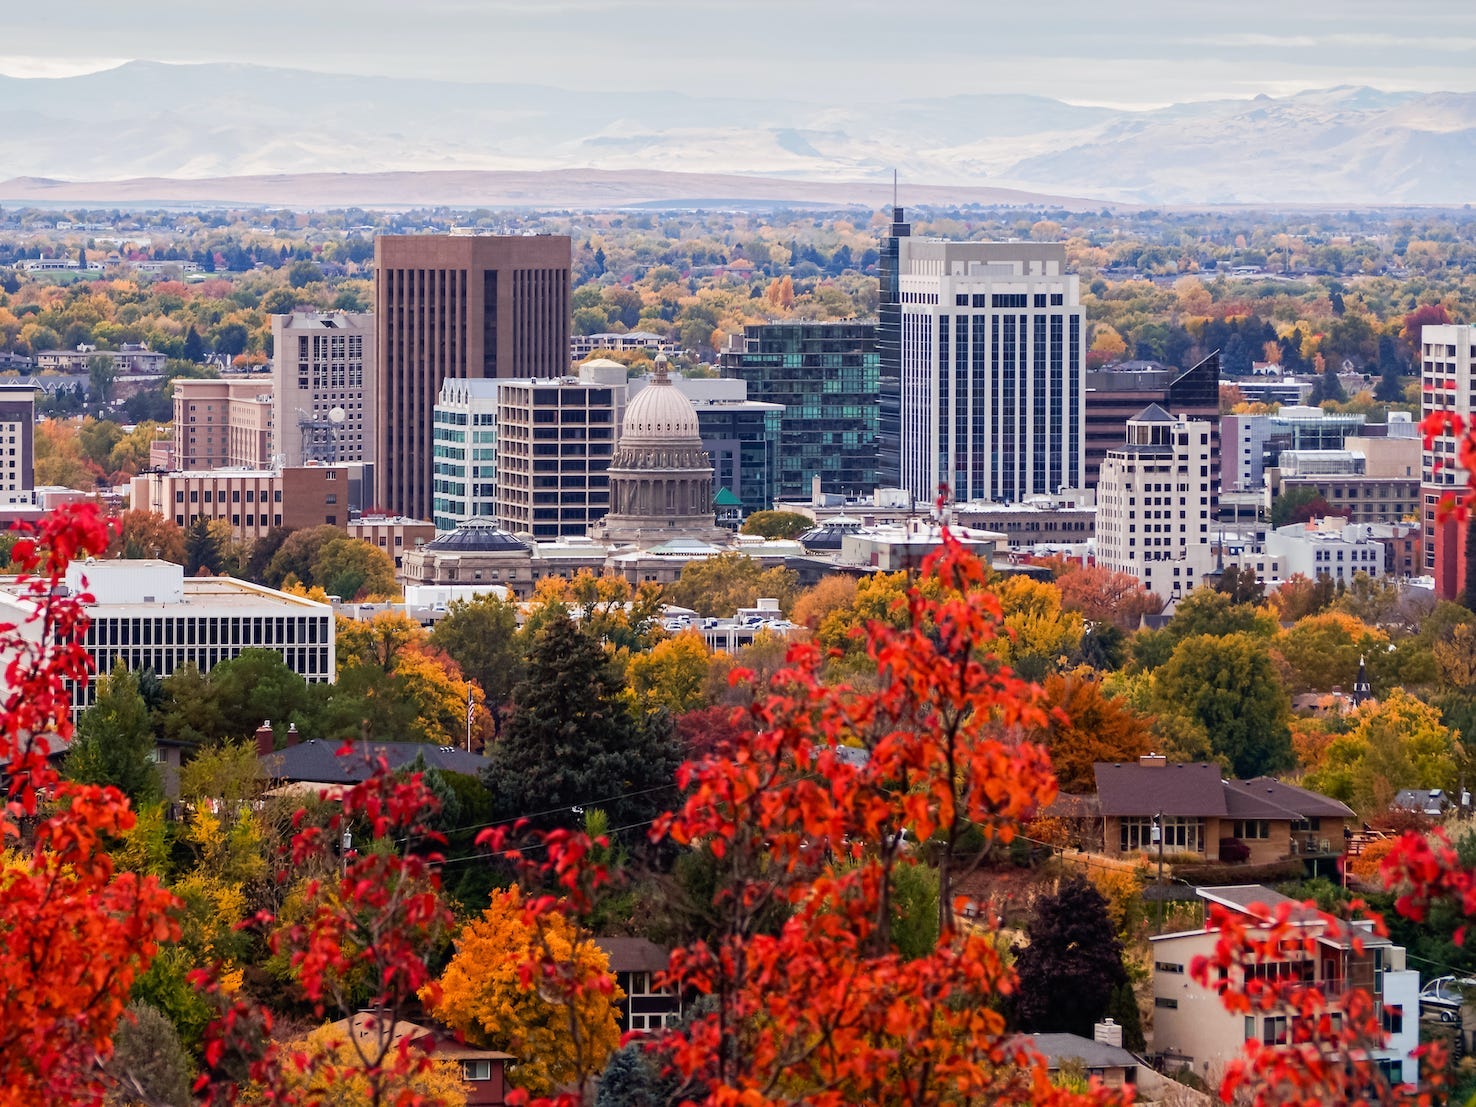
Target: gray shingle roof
(1178, 788)
(318, 761)
(1056, 1048)
(634, 955)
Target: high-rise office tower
(18, 454)
(456, 306)
(825, 375)
(987, 370)
(323, 387)
(889, 355)
(1447, 360)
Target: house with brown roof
(482, 1070)
(1197, 811)
(636, 963)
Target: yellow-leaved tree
(335, 1072)
(535, 987)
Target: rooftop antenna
(894, 188)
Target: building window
(1166, 1002)
(1253, 829)
(476, 1070)
(1273, 1030)
(1167, 966)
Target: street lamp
(1158, 839)
(347, 842)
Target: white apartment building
(992, 370)
(1330, 547)
(148, 615)
(531, 454)
(323, 373)
(1154, 501)
(1193, 1028)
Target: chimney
(1152, 760)
(265, 742)
(1108, 1033)
(292, 736)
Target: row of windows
(179, 496)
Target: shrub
(1233, 851)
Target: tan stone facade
(223, 423)
(323, 362)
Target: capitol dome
(660, 476)
(660, 413)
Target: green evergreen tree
(574, 739)
(149, 1064)
(202, 551)
(1123, 1010)
(114, 743)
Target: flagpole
(468, 716)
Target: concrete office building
(555, 441)
(988, 373)
(529, 454)
(323, 387)
(17, 444)
(456, 306)
(825, 375)
(1118, 392)
(1447, 357)
(227, 422)
(1154, 503)
(149, 615)
(1253, 443)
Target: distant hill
(550, 188)
(213, 123)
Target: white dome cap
(659, 413)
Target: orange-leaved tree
(808, 818)
(76, 933)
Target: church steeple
(1362, 690)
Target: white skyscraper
(1154, 501)
(991, 370)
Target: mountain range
(213, 124)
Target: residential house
(1190, 808)
(1191, 1026)
(636, 963)
(317, 763)
(1114, 1066)
(482, 1070)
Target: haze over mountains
(1342, 146)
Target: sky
(1130, 54)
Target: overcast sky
(1091, 51)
